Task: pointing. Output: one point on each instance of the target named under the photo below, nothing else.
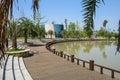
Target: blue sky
(58, 10)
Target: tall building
(56, 28)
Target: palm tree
(50, 32)
(13, 27)
(104, 25)
(35, 6)
(40, 31)
(89, 9)
(6, 9)
(25, 28)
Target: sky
(58, 10)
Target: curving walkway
(44, 65)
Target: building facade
(56, 28)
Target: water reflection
(102, 52)
(84, 46)
(104, 55)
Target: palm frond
(89, 11)
(35, 6)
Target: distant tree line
(73, 30)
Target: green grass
(12, 50)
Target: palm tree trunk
(14, 41)
(4, 11)
(25, 35)
(4, 37)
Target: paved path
(47, 66)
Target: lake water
(102, 52)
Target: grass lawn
(12, 50)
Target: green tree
(72, 29)
(88, 30)
(50, 32)
(83, 33)
(115, 35)
(77, 34)
(40, 31)
(108, 34)
(72, 26)
(64, 33)
(13, 28)
(26, 26)
(104, 25)
(6, 13)
(89, 9)
(101, 32)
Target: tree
(13, 26)
(72, 29)
(6, 9)
(35, 7)
(50, 32)
(77, 34)
(64, 33)
(101, 32)
(104, 25)
(88, 30)
(115, 35)
(25, 28)
(83, 34)
(40, 31)
(89, 9)
(72, 26)
(109, 34)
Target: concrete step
(9, 69)
(17, 72)
(24, 70)
(14, 69)
(3, 62)
(1, 73)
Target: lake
(102, 52)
